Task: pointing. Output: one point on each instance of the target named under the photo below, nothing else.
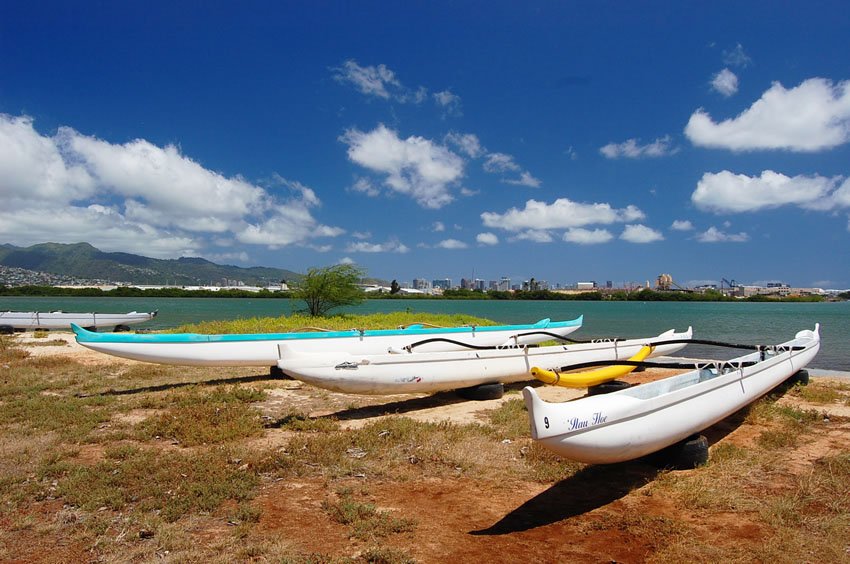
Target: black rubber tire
(608, 387)
(277, 373)
(684, 455)
(800, 377)
(6, 329)
(483, 392)
(121, 329)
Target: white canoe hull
(425, 372)
(262, 349)
(29, 320)
(643, 419)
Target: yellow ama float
(592, 377)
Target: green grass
(299, 422)
(823, 392)
(172, 484)
(37, 396)
(336, 323)
(221, 415)
(364, 520)
(510, 419)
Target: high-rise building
(442, 283)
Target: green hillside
(81, 260)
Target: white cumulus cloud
(391, 246)
(139, 197)
(640, 234)
(33, 167)
(736, 57)
(104, 227)
(841, 197)
(468, 143)
(632, 149)
(371, 80)
(682, 225)
(416, 167)
(584, 236)
(811, 117)
(525, 179)
(500, 162)
(365, 186)
(449, 102)
(725, 82)
(563, 213)
(451, 244)
(533, 235)
(714, 235)
(736, 193)
(487, 238)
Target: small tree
(394, 287)
(323, 289)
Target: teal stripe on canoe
(84, 336)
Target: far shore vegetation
(645, 295)
(303, 322)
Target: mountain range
(83, 261)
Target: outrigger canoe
(261, 349)
(642, 419)
(29, 320)
(411, 371)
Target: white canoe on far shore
(410, 371)
(29, 320)
(643, 419)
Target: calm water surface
(762, 323)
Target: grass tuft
(364, 520)
(213, 418)
(511, 419)
(170, 484)
(822, 392)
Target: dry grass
(364, 520)
(823, 393)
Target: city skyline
(600, 141)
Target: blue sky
(568, 142)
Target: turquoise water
(762, 323)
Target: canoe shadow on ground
(177, 385)
(407, 405)
(595, 486)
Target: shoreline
(825, 373)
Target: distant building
(442, 283)
(586, 285)
(664, 282)
(705, 288)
